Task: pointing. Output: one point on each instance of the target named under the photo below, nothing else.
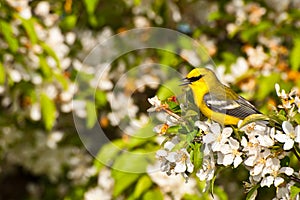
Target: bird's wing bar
(239, 108)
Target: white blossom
(216, 137)
(35, 112)
(42, 8)
(175, 161)
(104, 188)
(281, 94)
(122, 106)
(79, 107)
(54, 138)
(183, 162)
(169, 145)
(257, 161)
(97, 193)
(208, 169)
(175, 186)
(287, 99)
(230, 154)
(291, 135)
(256, 56)
(204, 126)
(283, 193)
(272, 171)
(155, 102)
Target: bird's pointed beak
(185, 81)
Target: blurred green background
(254, 44)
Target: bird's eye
(195, 78)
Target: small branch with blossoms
(268, 151)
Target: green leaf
(108, 153)
(296, 118)
(91, 114)
(168, 58)
(128, 168)
(294, 191)
(2, 74)
(143, 184)
(123, 181)
(191, 135)
(252, 193)
(46, 70)
(51, 53)
(197, 156)
(191, 113)
(7, 33)
(220, 193)
(282, 116)
(174, 106)
(213, 16)
(137, 2)
(228, 58)
(48, 111)
(90, 5)
(29, 28)
(142, 136)
(266, 85)
(62, 80)
(173, 129)
(153, 194)
(195, 197)
(68, 22)
(294, 56)
(100, 98)
(132, 161)
(248, 34)
(169, 88)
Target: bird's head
(200, 76)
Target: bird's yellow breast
(198, 93)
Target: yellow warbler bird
(215, 100)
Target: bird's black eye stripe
(195, 78)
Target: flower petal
(287, 127)
(202, 126)
(278, 181)
(201, 174)
(281, 137)
(297, 133)
(287, 170)
(250, 161)
(234, 144)
(169, 145)
(227, 132)
(180, 167)
(228, 159)
(237, 161)
(171, 157)
(267, 181)
(162, 153)
(288, 144)
(215, 128)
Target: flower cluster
(104, 187)
(174, 161)
(262, 148)
(290, 101)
